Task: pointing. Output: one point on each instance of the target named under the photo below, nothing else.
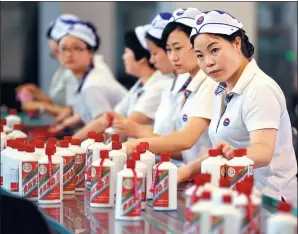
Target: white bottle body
(165, 192)
(7, 152)
(3, 141)
(50, 189)
(11, 120)
(214, 166)
(86, 143)
(130, 209)
(119, 158)
(103, 195)
(282, 222)
(149, 159)
(141, 167)
(80, 162)
(69, 183)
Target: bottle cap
(115, 137)
(227, 199)
(284, 207)
(214, 152)
(240, 152)
(104, 154)
(116, 145)
(91, 135)
(39, 144)
(3, 122)
(165, 156)
(145, 144)
(32, 141)
(141, 149)
(13, 112)
(135, 155)
(224, 183)
(99, 138)
(50, 150)
(199, 181)
(75, 141)
(130, 163)
(10, 143)
(30, 149)
(206, 195)
(64, 144)
(67, 138)
(17, 127)
(41, 138)
(52, 141)
(21, 147)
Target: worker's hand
(183, 174)
(126, 127)
(56, 129)
(30, 87)
(227, 149)
(65, 113)
(33, 106)
(130, 146)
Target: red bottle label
(100, 188)
(69, 183)
(80, 162)
(161, 191)
(30, 179)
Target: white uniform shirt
(198, 104)
(169, 106)
(100, 93)
(259, 103)
(63, 86)
(144, 99)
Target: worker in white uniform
(63, 83)
(191, 137)
(98, 91)
(250, 109)
(142, 100)
(164, 122)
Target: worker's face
(74, 54)
(180, 52)
(159, 58)
(217, 57)
(132, 66)
(53, 45)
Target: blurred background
(271, 26)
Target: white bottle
(7, 152)
(144, 169)
(90, 140)
(164, 184)
(248, 204)
(39, 149)
(239, 168)
(118, 156)
(69, 183)
(3, 139)
(283, 221)
(6, 129)
(92, 155)
(80, 162)
(28, 174)
(114, 138)
(12, 118)
(129, 193)
(214, 165)
(49, 178)
(225, 218)
(201, 220)
(17, 133)
(147, 158)
(102, 182)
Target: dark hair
(132, 42)
(158, 42)
(97, 38)
(172, 26)
(246, 47)
(49, 30)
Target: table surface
(76, 215)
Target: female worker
(63, 84)
(142, 100)
(164, 117)
(249, 108)
(196, 102)
(97, 91)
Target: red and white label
(161, 190)
(69, 183)
(30, 179)
(130, 206)
(236, 174)
(49, 188)
(89, 165)
(100, 188)
(80, 162)
(245, 223)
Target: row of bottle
(15, 133)
(235, 170)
